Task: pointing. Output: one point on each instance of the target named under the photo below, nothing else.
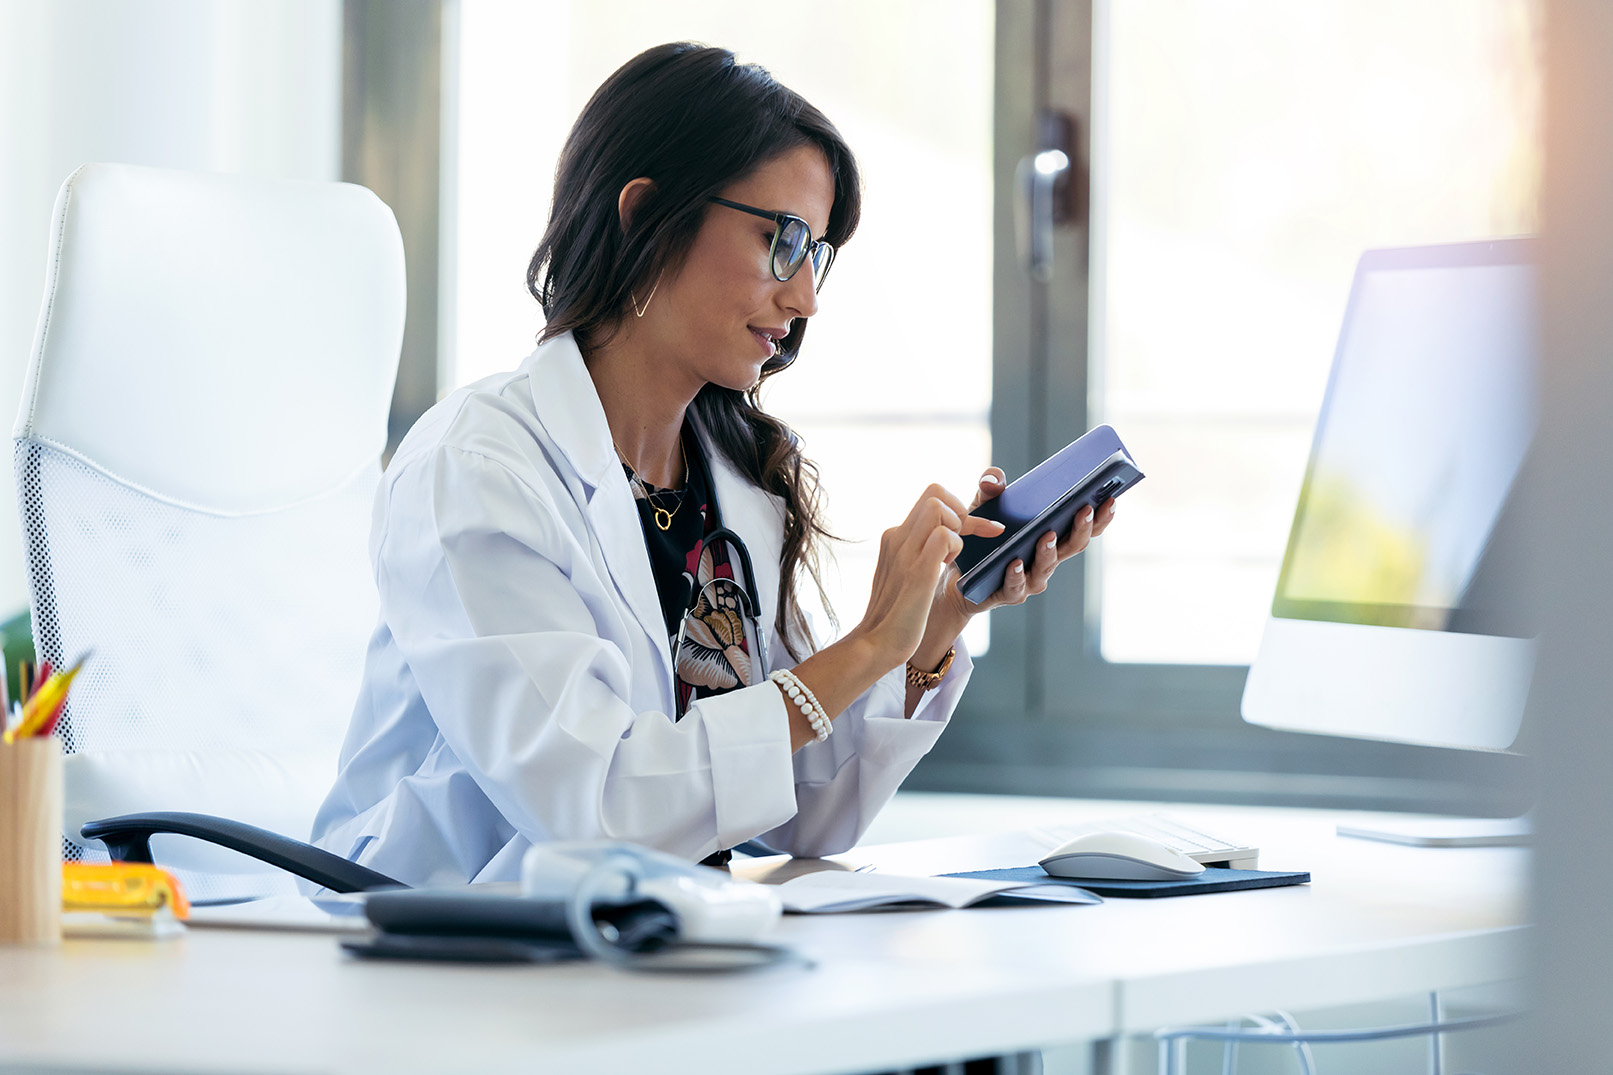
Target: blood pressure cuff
(479, 926)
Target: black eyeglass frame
(780, 220)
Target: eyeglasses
(793, 244)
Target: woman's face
(717, 320)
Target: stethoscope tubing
(748, 589)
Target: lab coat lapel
(759, 521)
(615, 521)
(569, 409)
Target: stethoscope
(749, 599)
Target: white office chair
(197, 452)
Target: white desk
(1461, 909)
(890, 990)
(1378, 920)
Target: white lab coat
(518, 685)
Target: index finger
(951, 503)
(973, 524)
(967, 524)
(944, 495)
(953, 515)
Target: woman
(590, 567)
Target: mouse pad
(1211, 880)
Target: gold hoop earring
(638, 311)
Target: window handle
(1046, 193)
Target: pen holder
(31, 841)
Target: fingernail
(1018, 568)
(1049, 543)
(988, 479)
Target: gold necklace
(663, 517)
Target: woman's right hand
(912, 557)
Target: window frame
(1045, 712)
(395, 92)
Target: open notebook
(834, 891)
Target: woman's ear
(628, 201)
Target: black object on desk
(1213, 879)
(490, 924)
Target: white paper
(286, 913)
(831, 891)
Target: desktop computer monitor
(1401, 611)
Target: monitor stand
(1448, 831)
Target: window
(1241, 156)
(893, 391)
(1250, 153)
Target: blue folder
(1211, 880)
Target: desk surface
(1378, 920)
(888, 990)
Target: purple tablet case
(1090, 469)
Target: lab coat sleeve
(505, 622)
(842, 783)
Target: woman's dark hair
(693, 120)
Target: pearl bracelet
(802, 696)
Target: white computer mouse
(1119, 856)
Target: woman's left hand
(1022, 580)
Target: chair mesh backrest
(158, 591)
(224, 589)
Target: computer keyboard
(1202, 847)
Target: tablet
(1087, 471)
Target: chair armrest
(127, 839)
